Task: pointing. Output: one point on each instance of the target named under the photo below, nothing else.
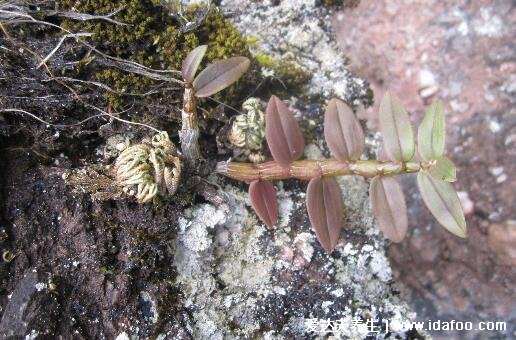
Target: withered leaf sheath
(343, 132)
(389, 208)
(192, 62)
(283, 135)
(264, 202)
(219, 75)
(325, 210)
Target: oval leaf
(430, 135)
(343, 132)
(444, 170)
(396, 129)
(264, 202)
(325, 210)
(443, 202)
(192, 62)
(389, 208)
(282, 133)
(219, 75)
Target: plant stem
(189, 135)
(308, 169)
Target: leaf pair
(345, 139)
(323, 198)
(323, 202)
(439, 196)
(286, 143)
(215, 77)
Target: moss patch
(152, 37)
(291, 75)
(340, 3)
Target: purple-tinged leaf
(443, 202)
(282, 132)
(219, 75)
(343, 132)
(389, 208)
(264, 202)
(396, 129)
(325, 210)
(192, 62)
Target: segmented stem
(308, 169)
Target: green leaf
(430, 135)
(396, 130)
(444, 170)
(443, 202)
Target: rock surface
(462, 50)
(240, 279)
(186, 269)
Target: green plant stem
(308, 169)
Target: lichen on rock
(300, 33)
(241, 280)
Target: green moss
(152, 37)
(265, 60)
(340, 3)
(291, 75)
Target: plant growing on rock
(345, 139)
(214, 78)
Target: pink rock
(502, 241)
(467, 204)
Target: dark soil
(79, 268)
(96, 257)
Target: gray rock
(31, 310)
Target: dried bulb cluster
(149, 169)
(248, 130)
